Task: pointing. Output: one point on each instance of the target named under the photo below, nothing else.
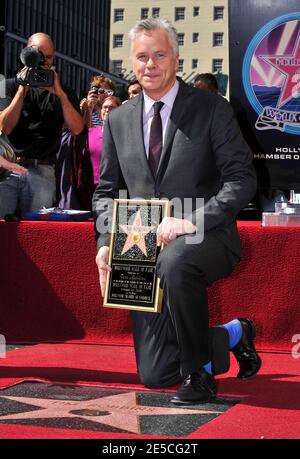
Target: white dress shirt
(168, 100)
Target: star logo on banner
(120, 411)
(136, 234)
(289, 66)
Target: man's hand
(21, 76)
(170, 227)
(103, 267)
(56, 88)
(13, 167)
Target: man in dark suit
(203, 156)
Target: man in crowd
(133, 89)
(206, 81)
(175, 142)
(33, 118)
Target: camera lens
(107, 92)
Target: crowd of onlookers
(86, 149)
(57, 139)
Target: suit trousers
(176, 342)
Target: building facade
(202, 27)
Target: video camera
(36, 76)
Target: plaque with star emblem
(133, 283)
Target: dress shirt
(168, 100)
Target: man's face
(134, 90)
(154, 63)
(203, 85)
(46, 47)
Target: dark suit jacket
(204, 156)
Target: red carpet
(49, 286)
(84, 364)
(49, 293)
(269, 406)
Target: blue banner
(264, 63)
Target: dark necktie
(155, 140)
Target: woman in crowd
(95, 134)
(101, 87)
(75, 178)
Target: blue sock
(235, 332)
(207, 368)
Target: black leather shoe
(198, 387)
(245, 352)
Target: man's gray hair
(155, 24)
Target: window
(181, 39)
(218, 39)
(118, 41)
(144, 13)
(195, 37)
(218, 12)
(119, 14)
(117, 67)
(217, 65)
(196, 11)
(180, 65)
(155, 12)
(179, 14)
(194, 63)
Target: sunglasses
(96, 90)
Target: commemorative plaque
(133, 283)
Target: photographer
(32, 115)
(101, 87)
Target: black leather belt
(34, 162)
